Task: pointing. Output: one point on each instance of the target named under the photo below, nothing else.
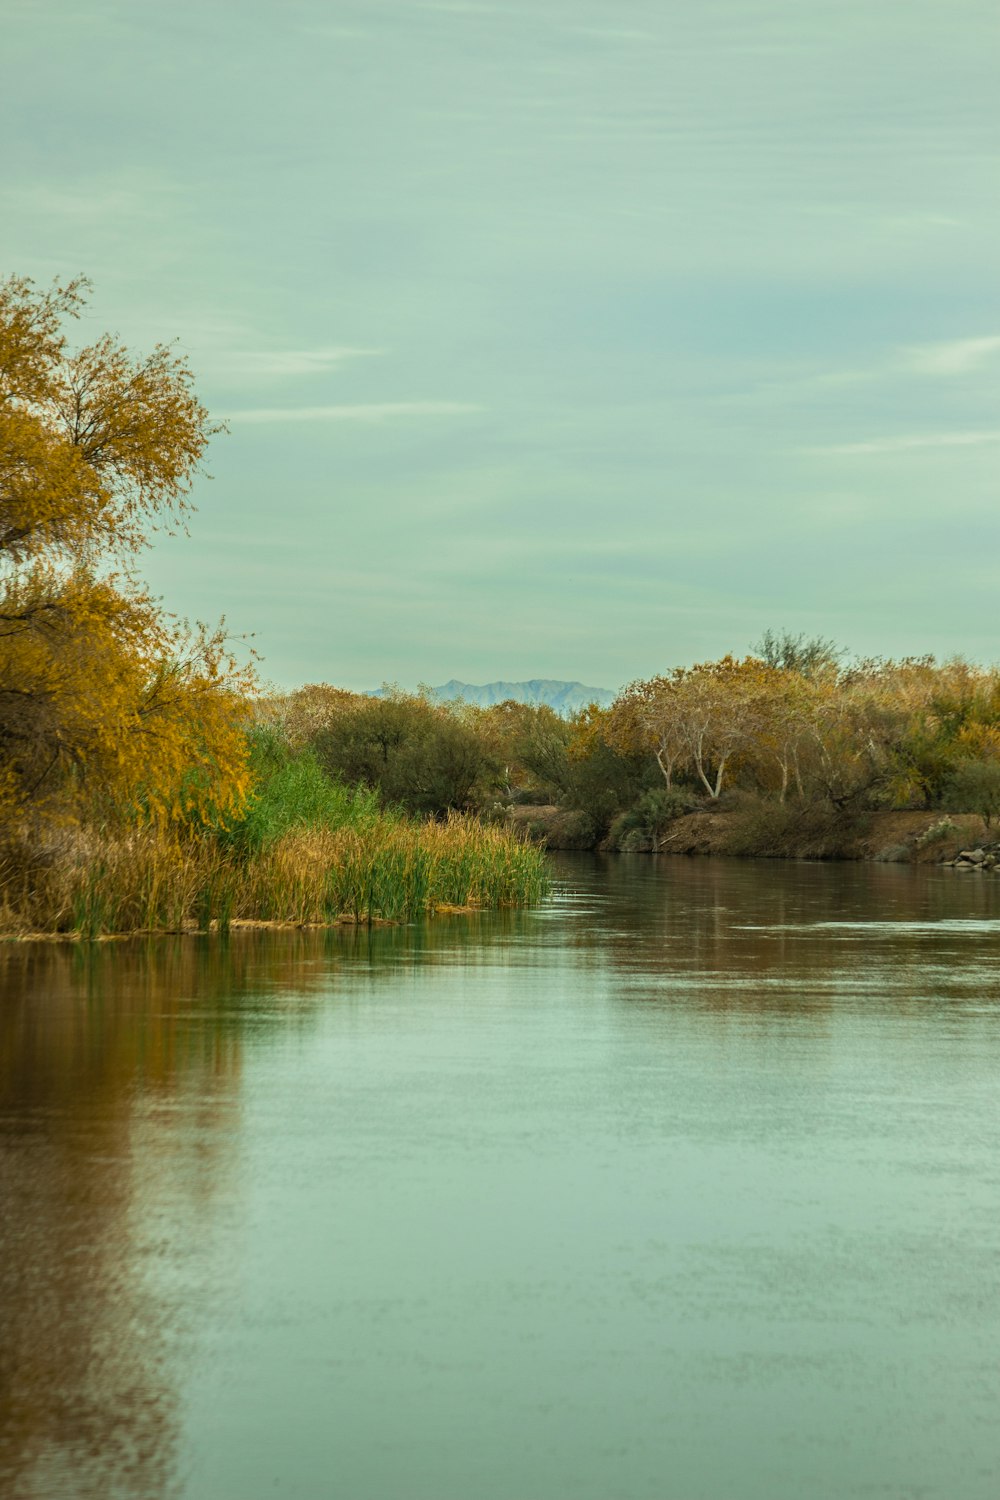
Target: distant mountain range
(564, 697)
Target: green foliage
(572, 829)
(417, 755)
(642, 825)
(542, 748)
(305, 848)
(378, 869)
(291, 790)
(975, 787)
(602, 782)
(531, 796)
(578, 769)
(660, 806)
(920, 762)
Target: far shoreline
(924, 837)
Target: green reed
(353, 863)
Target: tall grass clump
(304, 850)
(390, 870)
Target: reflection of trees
(749, 935)
(119, 1074)
(92, 1042)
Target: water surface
(686, 1185)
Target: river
(684, 1186)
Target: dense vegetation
(138, 786)
(795, 744)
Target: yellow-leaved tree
(106, 702)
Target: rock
(975, 856)
(895, 854)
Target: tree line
(790, 726)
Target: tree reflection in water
(120, 1071)
(97, 1045)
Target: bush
(795, 831)
(663, 805)
(894, 854)
(641, 827)
(527, 796)
(572, 829)
(417, 755)
(633, 841)
(975, 788)
(938, 833)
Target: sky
(556, 338)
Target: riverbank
(898, 837)
(379, 868)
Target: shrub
(415, 754)
(894, 854)
(531, 797)
(634, 841)
(975, 787)
(662, 805)
(938, 833)
(810, 831)
(572, 829)
(643, 824)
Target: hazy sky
(569, 338)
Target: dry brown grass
(145, 881)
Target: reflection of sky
(568, 339)
(515, 1203)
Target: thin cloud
(457, 7)
(277, 362)
(102, 200)
(911, 442)
(614, 33)
(954, 357)
(375, 411)
(945, 358)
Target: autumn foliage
(106, 702)
(789, 737)
(144, 784)
(811, 732)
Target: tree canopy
(102, 694)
